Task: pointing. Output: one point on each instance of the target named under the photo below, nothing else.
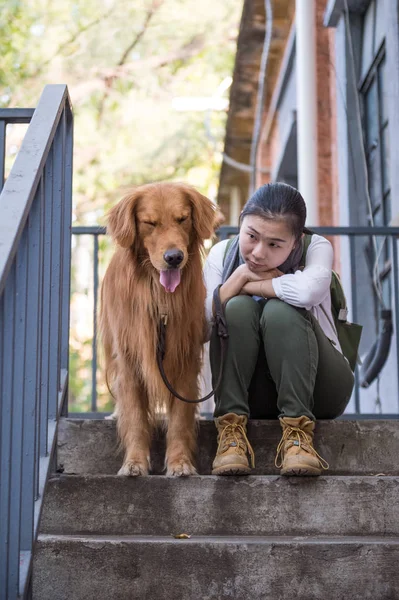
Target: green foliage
(124, 63)
(15, 25)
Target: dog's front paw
(133, 469)
(181, 468)
(112, 417)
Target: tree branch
(156, 4)
(95, 81)
(108, 81)
(72, 39)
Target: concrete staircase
(259, 537)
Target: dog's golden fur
(149, 221)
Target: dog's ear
(121, 220)
(204, 214)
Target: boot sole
(300, 472)
(231, 470)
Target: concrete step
(351, 447)
(206, 505)
(215, 568)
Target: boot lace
(234, 434)
(295, 434)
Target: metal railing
(350, 233)
(35, 246)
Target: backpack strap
(226, 250)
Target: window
(375, 124)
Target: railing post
(2, 151)
(395, 267)
(56, 269)
(354, 311)
(66, 251)
(33, 355)
(94, 344)
(8, 356)
(18, 409)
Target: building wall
(326, 125)
(342, 184)
(357, 58)
(274, 142)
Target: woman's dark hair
(278, 201)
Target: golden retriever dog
(159, 229)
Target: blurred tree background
(140, 75)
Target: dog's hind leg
(133, 424)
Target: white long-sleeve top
(308, 288)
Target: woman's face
(265, 244)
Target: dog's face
(162, 223)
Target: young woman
(284, 359)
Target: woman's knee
(281, 316)
(242, 311)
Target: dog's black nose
(173, 257)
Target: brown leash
(221, 325)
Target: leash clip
(163, 314)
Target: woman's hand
(262, 287)
(246, 275)
(272, 274)
(237, 280)
(245, 281)
(249, 276)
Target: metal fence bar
(6, 424)
(357, 230)
(41, 398)
(66, 251)
(33, 355)
(62, 129)
(88, 230)
(17, 413)
(94, 342)
(354, 313)
(55, 254)
(3, 455)
(12, 116)
(16, 115)
(46, 292)
(2, 151)
(395, 267)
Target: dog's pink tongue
(170, 279)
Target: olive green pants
(279, 363)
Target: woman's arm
(309, 287)
(262, 288)
(234, 284)
(245, 281)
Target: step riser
(351, 448)
(222, 506)
(267, 571)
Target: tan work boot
(298, 456)
(233, 446)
